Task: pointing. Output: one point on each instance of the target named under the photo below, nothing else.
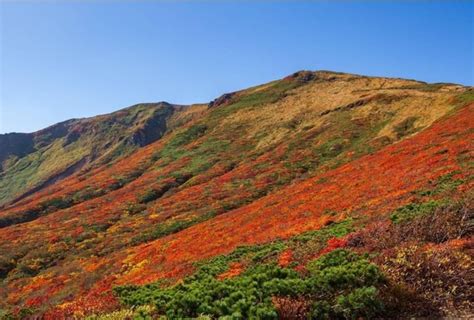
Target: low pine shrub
(342, 282)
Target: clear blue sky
(62, 60)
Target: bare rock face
(223, 100)
(154, 127)
(302, 76)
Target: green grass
(189, 135)
(272, 94)
(175, 150)
(429, 87)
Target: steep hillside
(291, 169)
(30, 162)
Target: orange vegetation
(371, 185)
(235, 269)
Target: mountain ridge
(303, 71)
(257, 167)
(127, 128)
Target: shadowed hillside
(281, 182)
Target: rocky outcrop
(154, 127)
(225, 99)
(302, 76)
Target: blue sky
(62, 59)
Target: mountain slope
(29, 162)
(256, 165)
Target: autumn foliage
(222, 180)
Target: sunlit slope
(262, 163)
(29, 162)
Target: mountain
(262, 204)
(30, 162)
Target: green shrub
(133, 208)
(412, 210)
(321, 310)
(362, 302)
(447, 183)
(100, 227)
(45, 207)
(56, 204)
(149, 195)
(6, 265)
(342, 279)
(247, 296)
(191, 134)
(163, 230)
(6, 315)
(342, 269)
